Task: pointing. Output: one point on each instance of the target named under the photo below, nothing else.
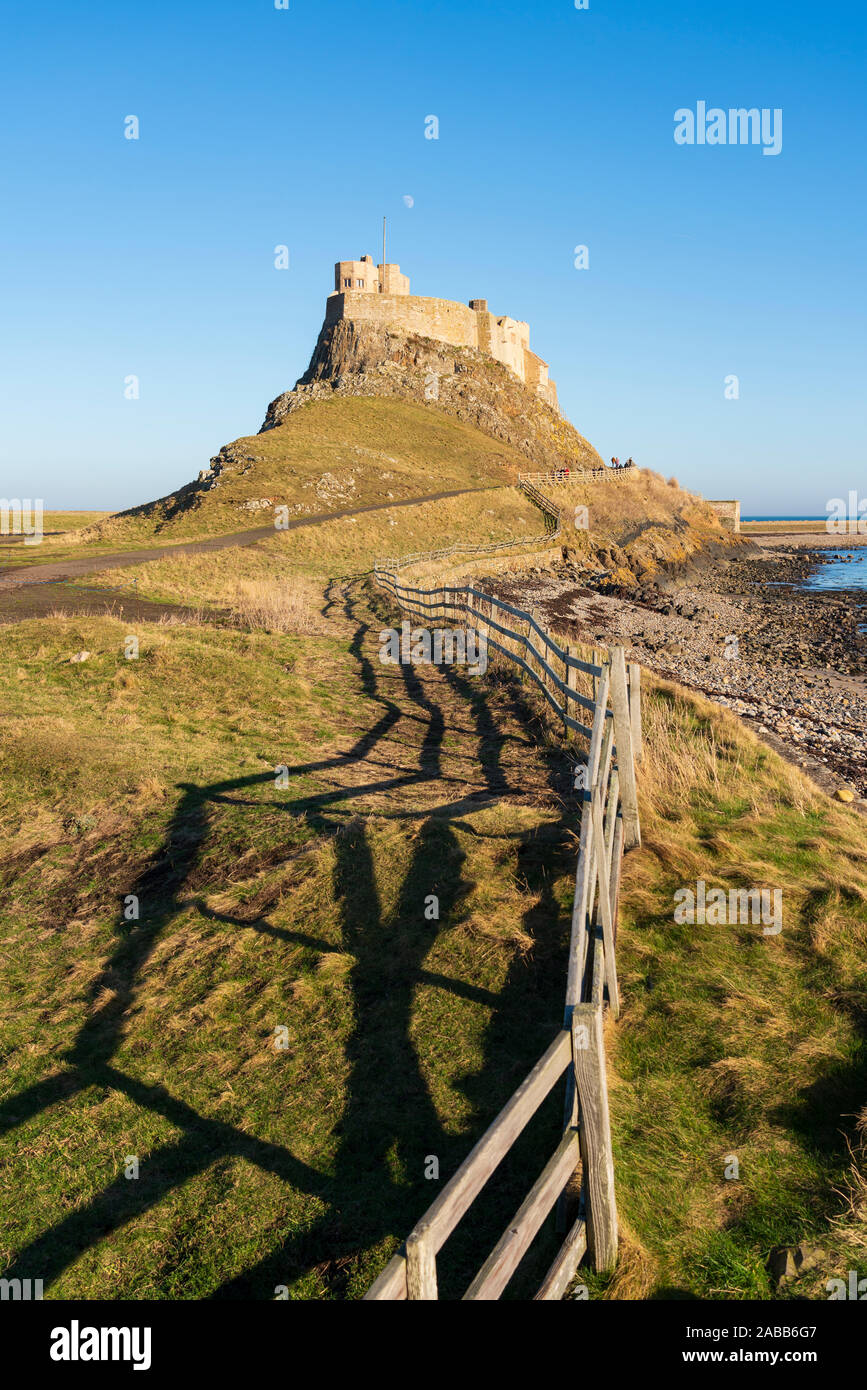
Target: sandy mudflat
(803, 540)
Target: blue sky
(304, 126)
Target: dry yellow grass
(276, 605)
(349, 451)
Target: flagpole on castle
(383, 241)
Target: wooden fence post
(635, 710)
(597, 1157)
(487, 608)
(494, 613)
(421, 1269)
(469, 618)
(585, 878)
(606, 907)
(536, 640)
(623, 741)
(586, 854)
(572, 683)
(522, 648)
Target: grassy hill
(327, 457)
(262, 908)
(732, 1045)
(637, 523)
(283, 574)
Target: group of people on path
(615, 463)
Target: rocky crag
(358, 359)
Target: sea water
(839, 573)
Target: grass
(788, 528)
(276, 605)
(262, 907)
(398, 450)
(71, 520)
(57, 522)
(651, 521)
(344, 547)
(56, 525)
(282, 1039)
(733, 1044)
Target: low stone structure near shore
(729, 513)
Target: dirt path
(28, 575)
(44, 600)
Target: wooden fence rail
(608, 721)
(576, 475)
(396, 563)
(549, 509)
(553, 525)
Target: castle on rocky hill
(379, 295)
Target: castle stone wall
(508, 339)
(362, 275)
(382, 298)
(391, 281)
(443, 319)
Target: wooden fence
(576, 475)
(395, 563)
(604, 720)
(550, 511)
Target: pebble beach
(763, 631)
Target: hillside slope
(358, 359)
(296, 910)
(377, 417)
(332, 455)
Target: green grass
(302, 908)
(70, 520)
(344, 547)
(261, 908)
(733, 1043)
(326, 457)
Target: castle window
(361, 284)
(347, 284)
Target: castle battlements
(380, 295)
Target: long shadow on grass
(390, 1126)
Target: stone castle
(379, 295)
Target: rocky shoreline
(739, 628)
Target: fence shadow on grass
(389, 1124)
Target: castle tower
(356, 275)
(391, 281)
(363, 277)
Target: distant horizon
(754, 516)
(765, 516)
